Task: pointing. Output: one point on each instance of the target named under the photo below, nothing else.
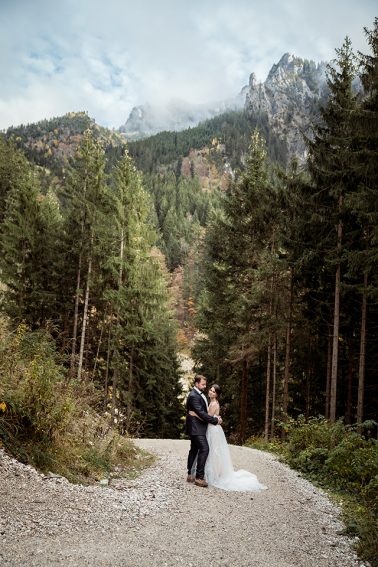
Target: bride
(219, 471)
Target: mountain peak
(286, 59)
(287, 95)
(287, 65)
(292, 88)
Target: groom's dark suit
(196, 429)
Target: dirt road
(161, 520)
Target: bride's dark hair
(217, 390)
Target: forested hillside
(52, 145)
(233, 129)
(184, 172)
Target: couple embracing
(209, 459)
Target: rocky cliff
(289, 96)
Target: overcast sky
(106, 56)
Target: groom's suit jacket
(195, 426)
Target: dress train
(219, 471)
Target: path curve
(160, 520)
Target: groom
(196, 429)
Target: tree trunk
(274, 385)
(267, 391)
(85, 314)
(243, 403)
(335, 349)
(328, 379)
(76, 314)
(361, 366)
(99, 342)
(285, 396)
(130, 389)
(336, 325)
(77, 294)
(349, 399)
(114, 389)
(116, 353)
(106, 385)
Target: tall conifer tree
(330, 164)
(144, 367)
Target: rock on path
(160, 520)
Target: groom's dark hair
(198, 378)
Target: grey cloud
(106, 57)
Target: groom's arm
(196, 405)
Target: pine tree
(143, 359)
(331, 167)
(238, 306)
(30, 234)
(362, 258)
(14, 172)
(87, 203)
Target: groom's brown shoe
(200, 482)
(190, 478)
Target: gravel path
(160, 520)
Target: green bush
(355, 461)
(310, 459)
(370, 494)
(274, 445)
(316, 432)
(339, 458)
(39, 404)
(48, 421)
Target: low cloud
(106, 58)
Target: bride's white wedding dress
(219, 471)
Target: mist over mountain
(149, 119)
(288, 96)
(286, 102)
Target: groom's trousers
(199, 448)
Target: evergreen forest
(276, 258)
(287, 314)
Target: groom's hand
(219, 420)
